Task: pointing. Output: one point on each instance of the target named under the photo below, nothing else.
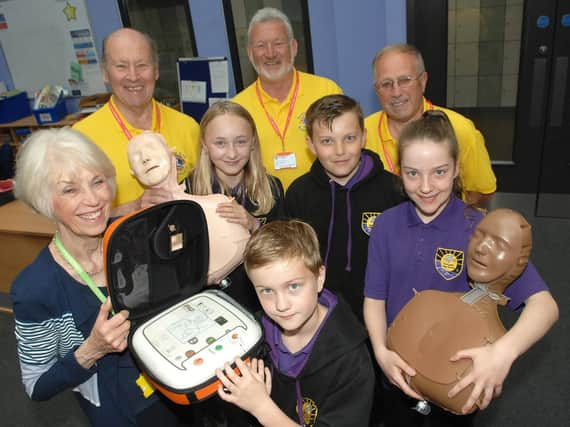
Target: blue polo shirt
(406, 255)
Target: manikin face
(494, 248)
(339, 148)
(270, 51)
(401, 104)
(228, 139)
(130, 69)
(149, 158)
(82, 203)
(288, 292)
(428, 172)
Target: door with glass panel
(504, 64)
(169, 23)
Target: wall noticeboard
(41, 41)
(201, 82)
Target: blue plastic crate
(14, 105)
(51, 115)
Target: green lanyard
(75, 265)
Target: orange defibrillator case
(156, 261)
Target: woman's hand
(236, 213)
(109, 335)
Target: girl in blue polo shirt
(405, 251)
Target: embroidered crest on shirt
(367, 221)
(448, 262)
(310, 412)
(302, 122)
(181, 162)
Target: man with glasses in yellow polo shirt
(280, 96)
(400, 80)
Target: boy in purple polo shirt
(407, 250)
(321, 373)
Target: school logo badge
(310, 412)
(367, 221)
(448, 262)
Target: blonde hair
(283, 240)
(256, 181)
(49, 153)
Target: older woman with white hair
(67, 335)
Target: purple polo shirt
(288, 363)
(404, 255)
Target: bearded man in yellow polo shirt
(280, 96)
(400, 80)
(130, 66)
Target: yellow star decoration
(69, 12)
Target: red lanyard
(383, 143)
(289, 113)
(122, 124)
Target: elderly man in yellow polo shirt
(400, 80)
(280, 96)
(130, 66)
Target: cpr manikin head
(499, 248)
(150, 159)
(154, 165)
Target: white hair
(269, 14)
(47, 154)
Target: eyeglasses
(403, 82)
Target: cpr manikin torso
(434, 325)
(154, 165)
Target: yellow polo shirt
(475, 169)
(179, 130)
(311, 88)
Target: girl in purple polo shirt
(405, 255)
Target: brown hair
(283, 239)
(328, 108)
(434, 126)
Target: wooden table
(23, 233)
(30, 123)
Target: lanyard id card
(285, 161)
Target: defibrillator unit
(156, 262)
